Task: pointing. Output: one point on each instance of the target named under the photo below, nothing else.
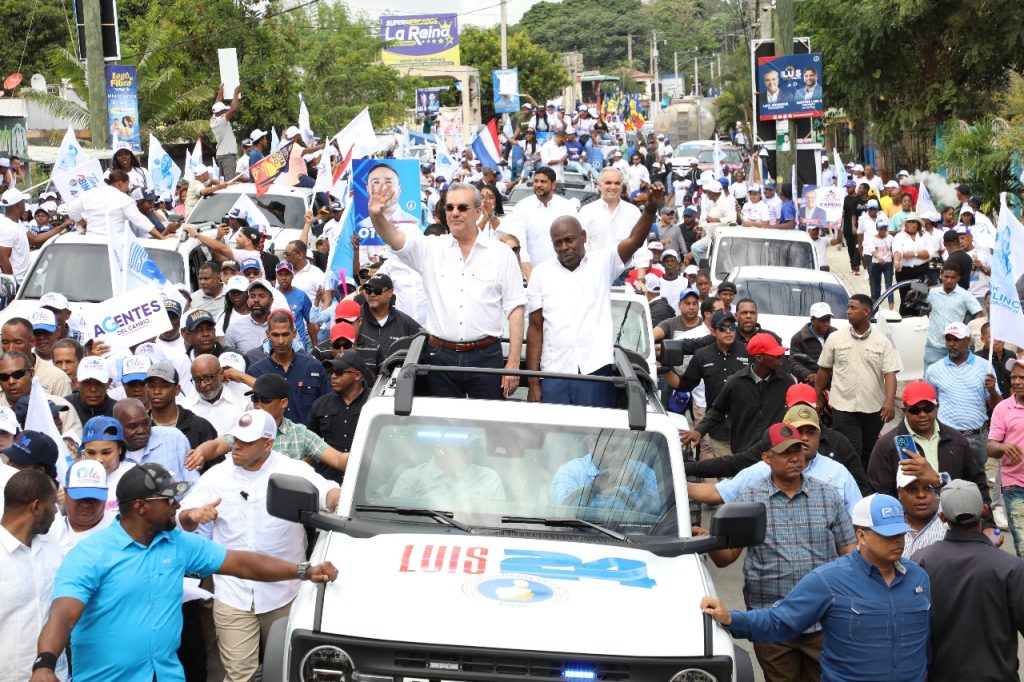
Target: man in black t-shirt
(957, 258)
(852, 206)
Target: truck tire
(744, 668)
(275, 653)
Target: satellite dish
(38, 82)
(12, 81)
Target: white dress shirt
(243, 523)
(409, 296)
(577, 310)
(530, 223)
(107, 204)
(635, 175)
(26, 583)
(308, 280)
(67, 537)
(901, 241)
(606, 227)
(466, 299)
(222, 412)
(15, 237)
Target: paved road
(729, 581)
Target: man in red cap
(941, 454)
(753, 398)
(831, 444)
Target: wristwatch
(302, 568)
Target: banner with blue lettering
(129, 319)
(123, 106)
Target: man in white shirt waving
(610, 220)
(471, 282)
(532, 218)
(570, 311)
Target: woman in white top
(124, 159)
(491, 211)
(110, 205)
(911, 251)
(878, 248)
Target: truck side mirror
(291, 498)
(740, 524)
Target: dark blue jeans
(482, 386)
(571, 392)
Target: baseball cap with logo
(94, 368)
(198, 317)
(236, 283)
(253, 233)
(102, 428)
(164, 371)
(802, 415)
(86, 480)
(54, 301)
(783, 436)
(219, 107)
(881, 513)
(764, 344)
(149, 480)
(652, 282)
(43, 320)
(919, 392)
(32, 448)
(251, 264)
(801, 394)
(253, 425)
(820, 310)
(134, 368)
(688, 291)
(284, 265)
(961, 502)
(722, 316)
(958, 330)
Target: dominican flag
(486, 147)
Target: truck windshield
(281, 210)
(481, 471)
(739, 251)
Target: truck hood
(512, 593)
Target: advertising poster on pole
(420, 40)
(123, 106)
(428, 100)
(789, 87)
(505, 84)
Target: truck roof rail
(626, 378)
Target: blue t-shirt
(787, 212)
(255, 156)
(574, 151)
(130, 629)
(299, 304)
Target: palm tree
(170, 107)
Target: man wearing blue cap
(874, 609)
(34, 451)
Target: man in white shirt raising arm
(471, 282)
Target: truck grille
(437, 662)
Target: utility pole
(679, 91)
(656, 97)
(504, 34)
(784, 46)
(696, 78)
(95, 73)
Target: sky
(476, 12)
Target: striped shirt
(932, 532)
(947, 308)
(804, 532)
(961, 391)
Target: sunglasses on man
(341, 344)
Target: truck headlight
(326, 663)
(693, 675)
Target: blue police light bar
(572, 674)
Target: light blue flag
(1005, 312)
(275, 141)
(162, 169)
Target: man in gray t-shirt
(220, 123)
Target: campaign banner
(428, 100)
(789, 87)
(369, 175)
(505, 84)
(420, 40)
(123, 106)
(270, 167)
(821, 207)
(129, 319)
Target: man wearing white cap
(808, 342)
(260, 143)
(14, 248)
(921, 512)
(202, 185)
(220, 123)
(755, 213)
(228, 501)
(85, 497)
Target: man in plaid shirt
(808, 525)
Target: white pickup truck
(508, 541)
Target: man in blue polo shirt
(306, 378)
(118, 594)
(874, 609)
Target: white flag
(1005, 312)
(162, 169)
(75, 171)
(131, 266)
(323, 171)
(193, 160)
(251, 212)
(840, 168)
(305, 129)
(357, 139)
(39, 418)
(188, 175)
(275, 141)
(444, 164)
(717, 158)
(925, 205)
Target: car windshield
(82, 271)
(734, 252)
(730, 156)
(687, 149)
(792, 298)
(281, 210)
(481, 471)
(629, 323)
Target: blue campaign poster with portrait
(403, 176)
(505, 85)
(789, 87)
(123, 107)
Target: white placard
(127, 320)
(228, 58)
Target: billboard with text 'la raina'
(426, 40)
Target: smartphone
(905, 442)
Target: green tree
(541, 73)
(597, 28)
(983, 156)
(734, 102)
(913, 65)
(26, 27)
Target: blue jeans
(481, 386)
(875, 275)
(572, 392)
(1013, 497)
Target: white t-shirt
(14, 236)
(756, 211)
(873, 246)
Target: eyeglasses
(450, 208)
(927, 408)
(340, 372)
(373, 290)
(727, 327)
(16, 374)
(341, 344)
(205, 379)
(262, 400)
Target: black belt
(972, 432)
